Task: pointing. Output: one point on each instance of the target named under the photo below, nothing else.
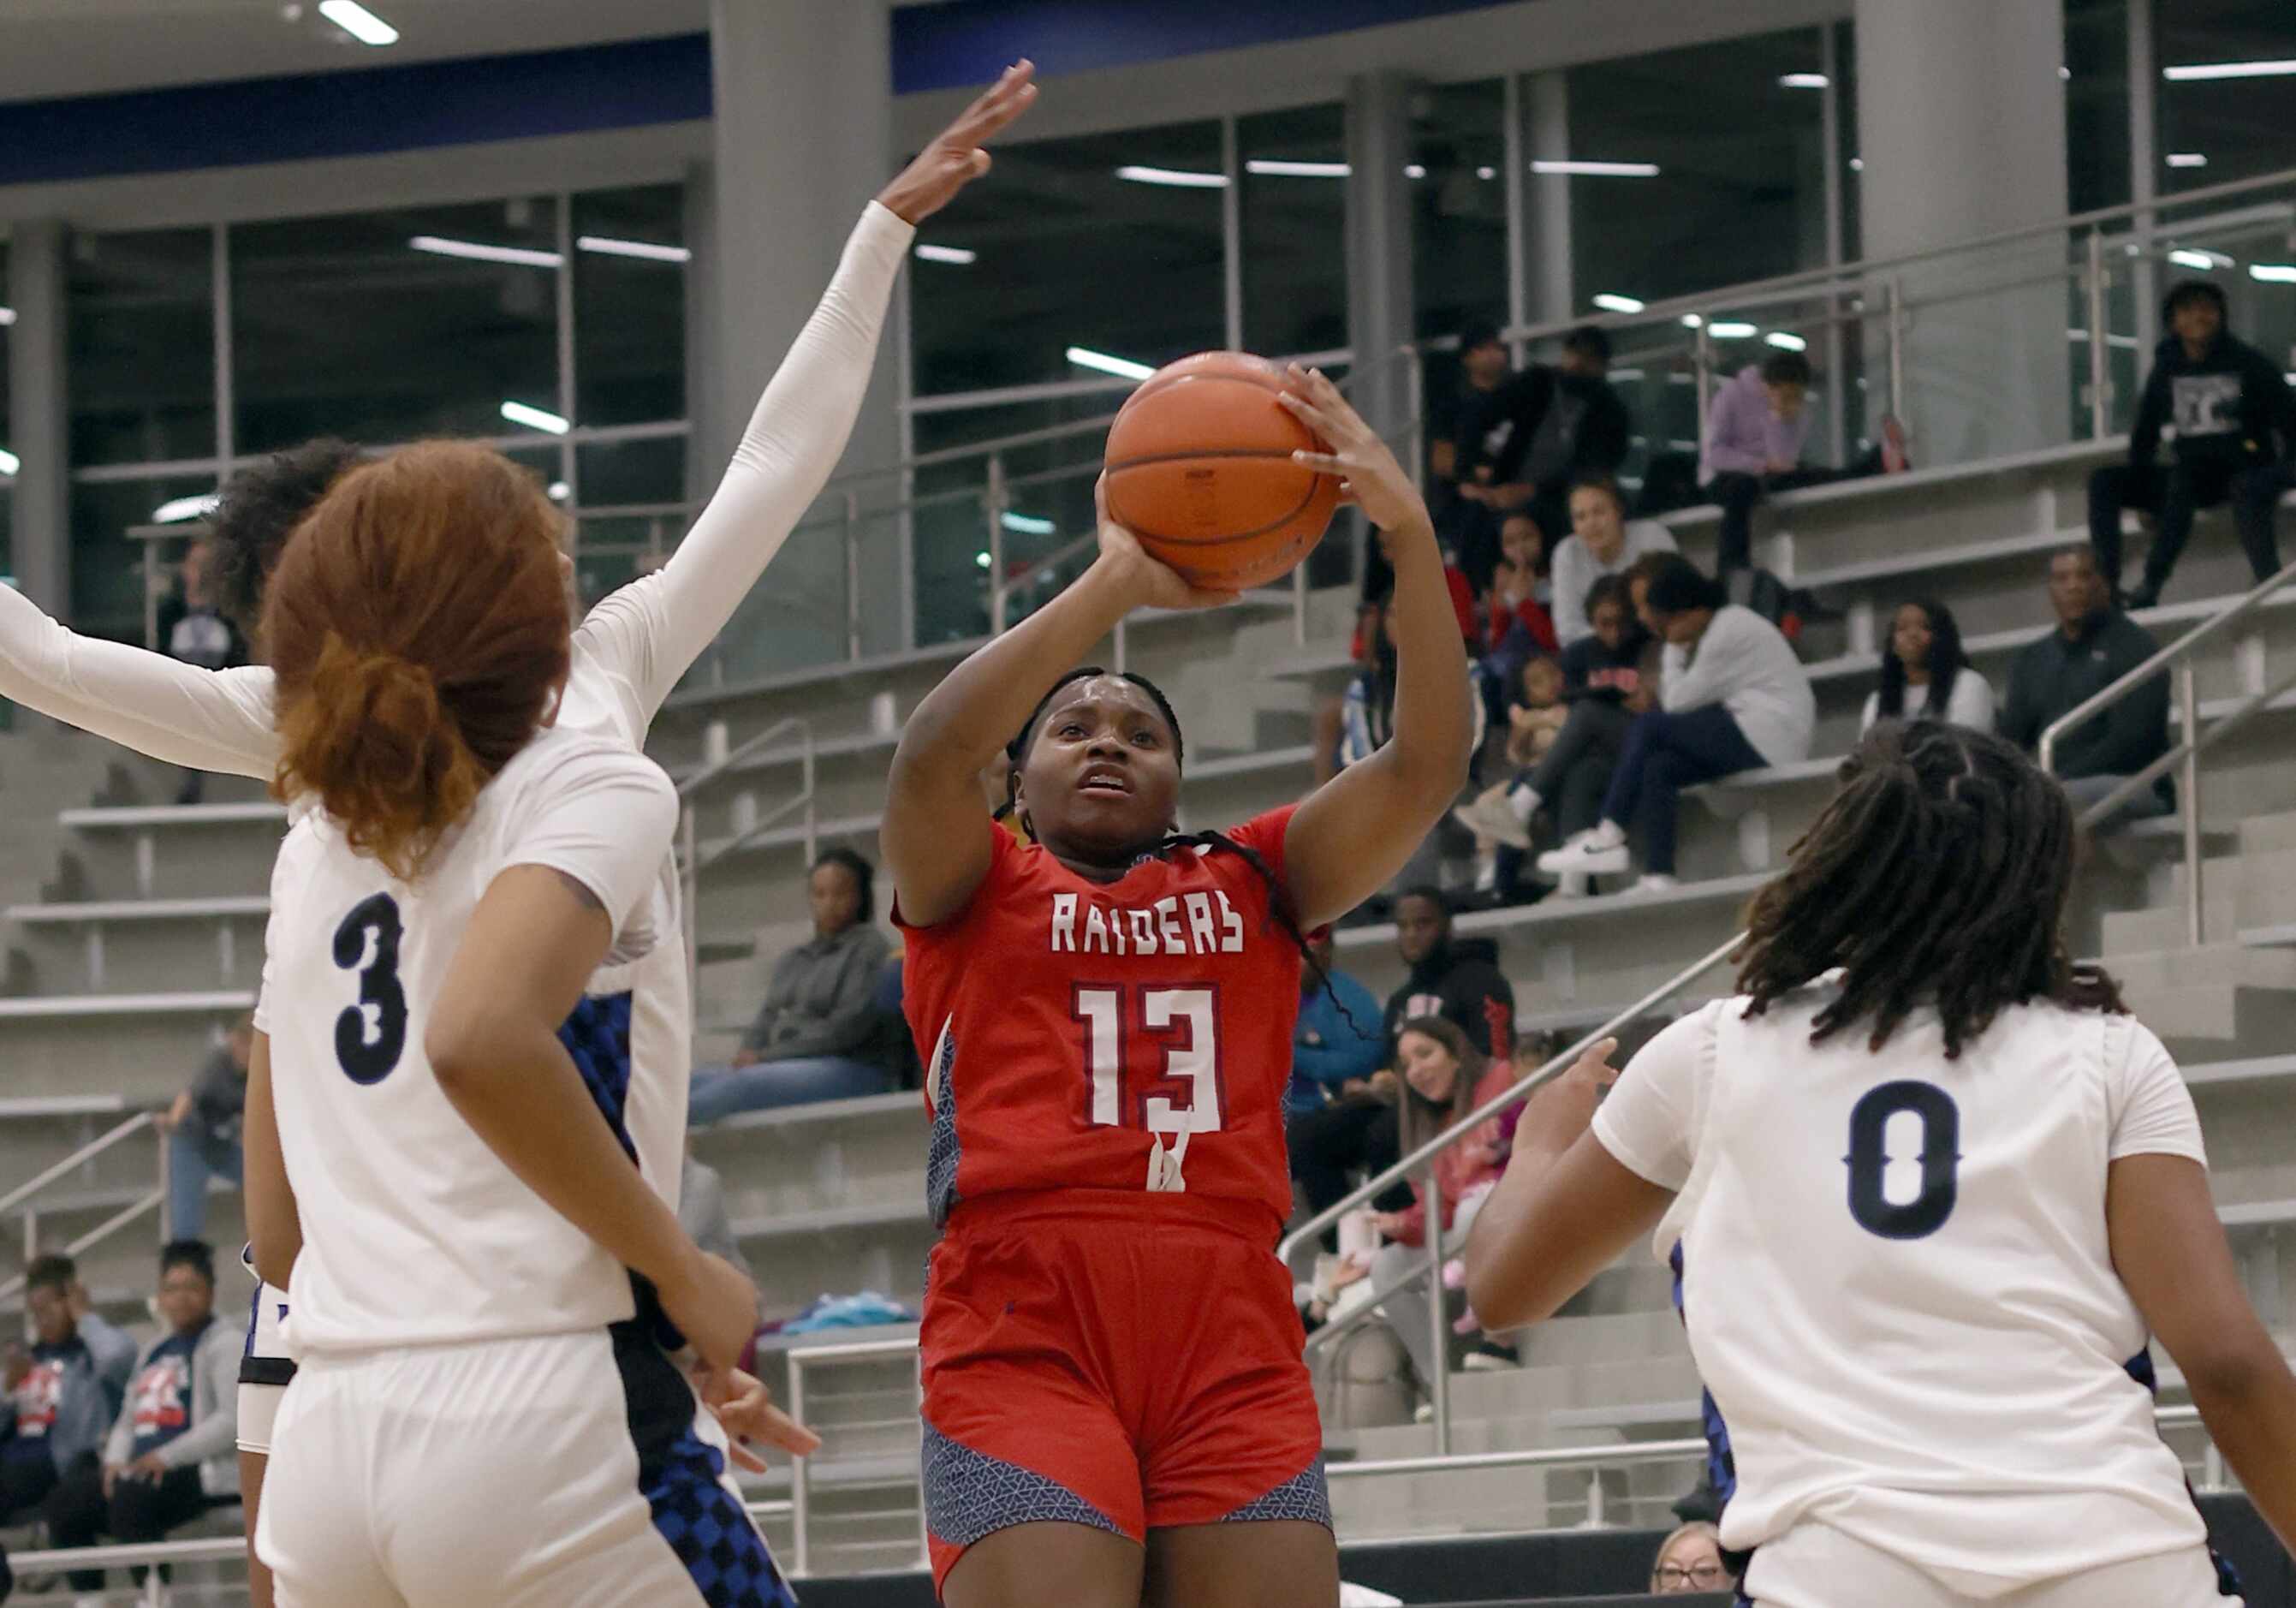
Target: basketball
(1200, 469)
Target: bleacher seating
(141, 934)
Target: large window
(1110, 244)
(391, 326)
(1459, 207)
(630, 273)
(1294, 209)
(143, 346)
(2214, 129)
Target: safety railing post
(2188, 705)
(2100, 345)
(852, 575)
(993, 502)
(1439, 1329)
(1894, 293)
(800, 1486)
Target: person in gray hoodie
(1733, 697)
(60, 1399)
(173, 1451)
(819, 1035)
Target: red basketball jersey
(1134, 1034)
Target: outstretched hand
(1558, 1112)
(1369, 474)
(954, 158)
(1150, 583)
(745, 1408)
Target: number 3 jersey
(413, 1231)
(1124, 1036)
(1897, 1279)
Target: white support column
(38, 419)
(1546, 108)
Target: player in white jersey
(1934, 1189)
(626, 655)
(468, 1238)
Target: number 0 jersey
(1133, 1034)
(413, 1231)
(1897, 1282)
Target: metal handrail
(800, 1468)
(16, 1197)
(87, 1152)
(2185, 755)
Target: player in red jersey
(1112, 1359)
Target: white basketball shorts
(1818, 1566)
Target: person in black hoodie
(2235, 424)
(1457, 980)
(2094, 646)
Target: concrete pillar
(37, 417)
(1546, 116)
(1960, 123)
(803, 138)
(1379, 301)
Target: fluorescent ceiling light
(9, 462)
(956, 254)
(560, 491)
(1122, 367)
(981, 560)
(2206, 71)
(2272, 272)
(2188, 159)
(179, 509)
(1413, 170)
(1804, 80)
(1723, 330)
(534, 418)
(7, 317)
(1857, 164)
(1786, 341)
(1617, 304)
(1027, 524)
(1691, 321)
(358, 22)
(1269, 169)
(2189, 258)
(1179, 178)
(473, 250)
(643, 250)
(1487, 174)
(1599, 169)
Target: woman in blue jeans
(1732, 697)
(820, 1034)
(202, 1132)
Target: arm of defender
(275, 1226)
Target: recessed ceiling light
(535, 418)
(1413, 170)
(1179, 178)
(1268, 167)
(1804, 80)
(358, 22)
(473, 250)
(2273, 273)
(1785, 340)
(1027, 524)
(2188, 159)
(2204, 72)
(1124, 368)
(1610, 303)
(179, 509)
(644, 250)
(1598, 169)
(1727, 330)
(9, 462)
(958, 255)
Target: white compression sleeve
(215, 720)
(651, 631)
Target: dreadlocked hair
(1279, 899)
(1937, 875)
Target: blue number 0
(371, 1035)
(1869, 1159)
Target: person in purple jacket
(1757, 431)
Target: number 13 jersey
(1897, 1282)
(1124, 1036)
(413, 1231)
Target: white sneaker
(1586, 856)
(1491, 814)
(1655, 882)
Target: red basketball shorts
(1121, 1363)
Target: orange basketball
(1200, 469)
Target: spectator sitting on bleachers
(1757, 432)
(1336, 1046)
(1444, 1078)
(818, 1036)
(1601, 688)
(2094, 646)
(60, 1399)
(1690, 1561)
(1358, 1132)
(172, 1452)
(1926, 676)
(1514, 627)
(194, 627)
(1601, 542)
(2235, 424)
(202, 1131)
(1536, 718)
(1367, 720)
(1733, 697)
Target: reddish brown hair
(417, 625)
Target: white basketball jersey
(414, 1232)
(1896, 1281)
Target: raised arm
(652, 631)
(216, 720)
(1355, 833)
(933, 790)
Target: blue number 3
(371, 1035)
(1869, 1159)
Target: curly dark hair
(256, 513)
(1938, 873)
(1948, 660)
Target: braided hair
(1279, 897)
(1947, 659)
(1937, 875)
